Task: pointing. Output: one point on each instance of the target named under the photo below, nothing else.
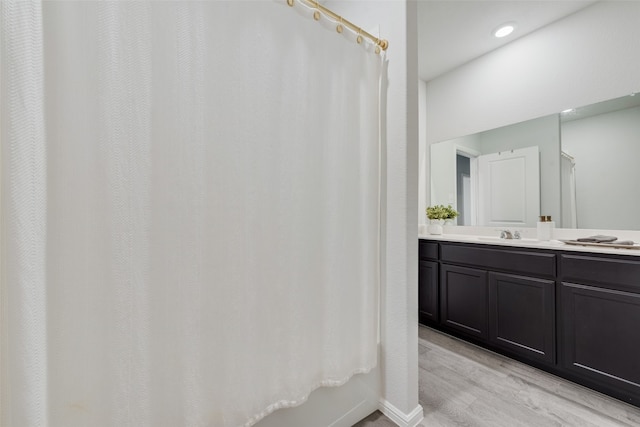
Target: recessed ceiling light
(504, 29)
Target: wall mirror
(580, 166)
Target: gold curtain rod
(383, 44)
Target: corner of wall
(423, 154)
(411, 419)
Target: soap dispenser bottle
(545, 228)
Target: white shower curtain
(190, 197)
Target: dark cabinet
(600, 322)
(574, 314)
(463, 300)
(521, 315)
(601, 336)
(428, 292)
(498, 301)
(428, 283)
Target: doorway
(466, 185)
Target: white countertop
(484, 239)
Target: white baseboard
(360, 411)
(411, 419)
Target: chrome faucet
(506, 234)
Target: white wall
(399, 326)
(606, 180)
(588, 57)
(397, 386)
(423, 154)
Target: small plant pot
(435, 226)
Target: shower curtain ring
(359, 39)
(339, 28)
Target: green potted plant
(437, 215)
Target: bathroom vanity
(573, 312)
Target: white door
(509, 188)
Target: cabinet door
(521, 315)
(463, 299)
(600, 336)
(428, 291)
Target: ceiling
(453, 32)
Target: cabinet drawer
(622, 273)
(428, 250)
(516, 261)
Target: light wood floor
(464, 385)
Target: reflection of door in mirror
(464, 189)
(568, 191)
(543, 132)
(509, 188)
